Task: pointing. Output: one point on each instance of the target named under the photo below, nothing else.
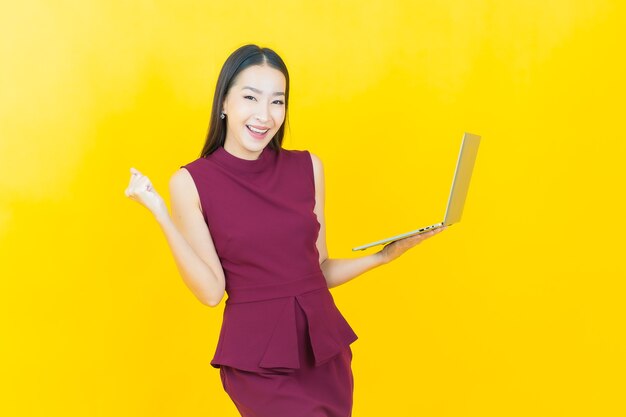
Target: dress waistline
(312, 282)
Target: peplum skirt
(260, 331)
(325, 390)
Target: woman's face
(255, 110)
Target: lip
(259, 127)
(256, 135)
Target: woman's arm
(340, 271)
(190, 241)
(186, 232)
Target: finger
(429, 234)
(135, 174)
(412, 240)
(417, 237)
(149, 185)
(141, 182)
(436, 231)
(144, 184)
(133, 180)
(413, 237)
(136, 185)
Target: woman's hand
(140, 189)
(396, 248)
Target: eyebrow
(278, 93)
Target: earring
(222, 115)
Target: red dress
(284, 347)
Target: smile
(255, 130)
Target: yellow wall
(516, 311)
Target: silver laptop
(458, 192)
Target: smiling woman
(248, 221)
(251, 113)
(257, 130)
(284, 348)
(251, 98)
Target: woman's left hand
(396, 248)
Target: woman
(248, 220)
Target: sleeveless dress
(284, 347)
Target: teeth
(257, 130)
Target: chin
(255, 145)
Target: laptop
(458, 191)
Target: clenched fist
(140, 189)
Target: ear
(224, 107)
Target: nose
(262, 114)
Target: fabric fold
(328, 330)
(260, 334)
(282, 349)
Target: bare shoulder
(318, 175)
(181, 178)
(318, 166)
(182, 186)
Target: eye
(279, 102)
(250, 97)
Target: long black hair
(239, 60)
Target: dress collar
(230, 161)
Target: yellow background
(516, 311)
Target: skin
(189, 237)
(243, 106)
